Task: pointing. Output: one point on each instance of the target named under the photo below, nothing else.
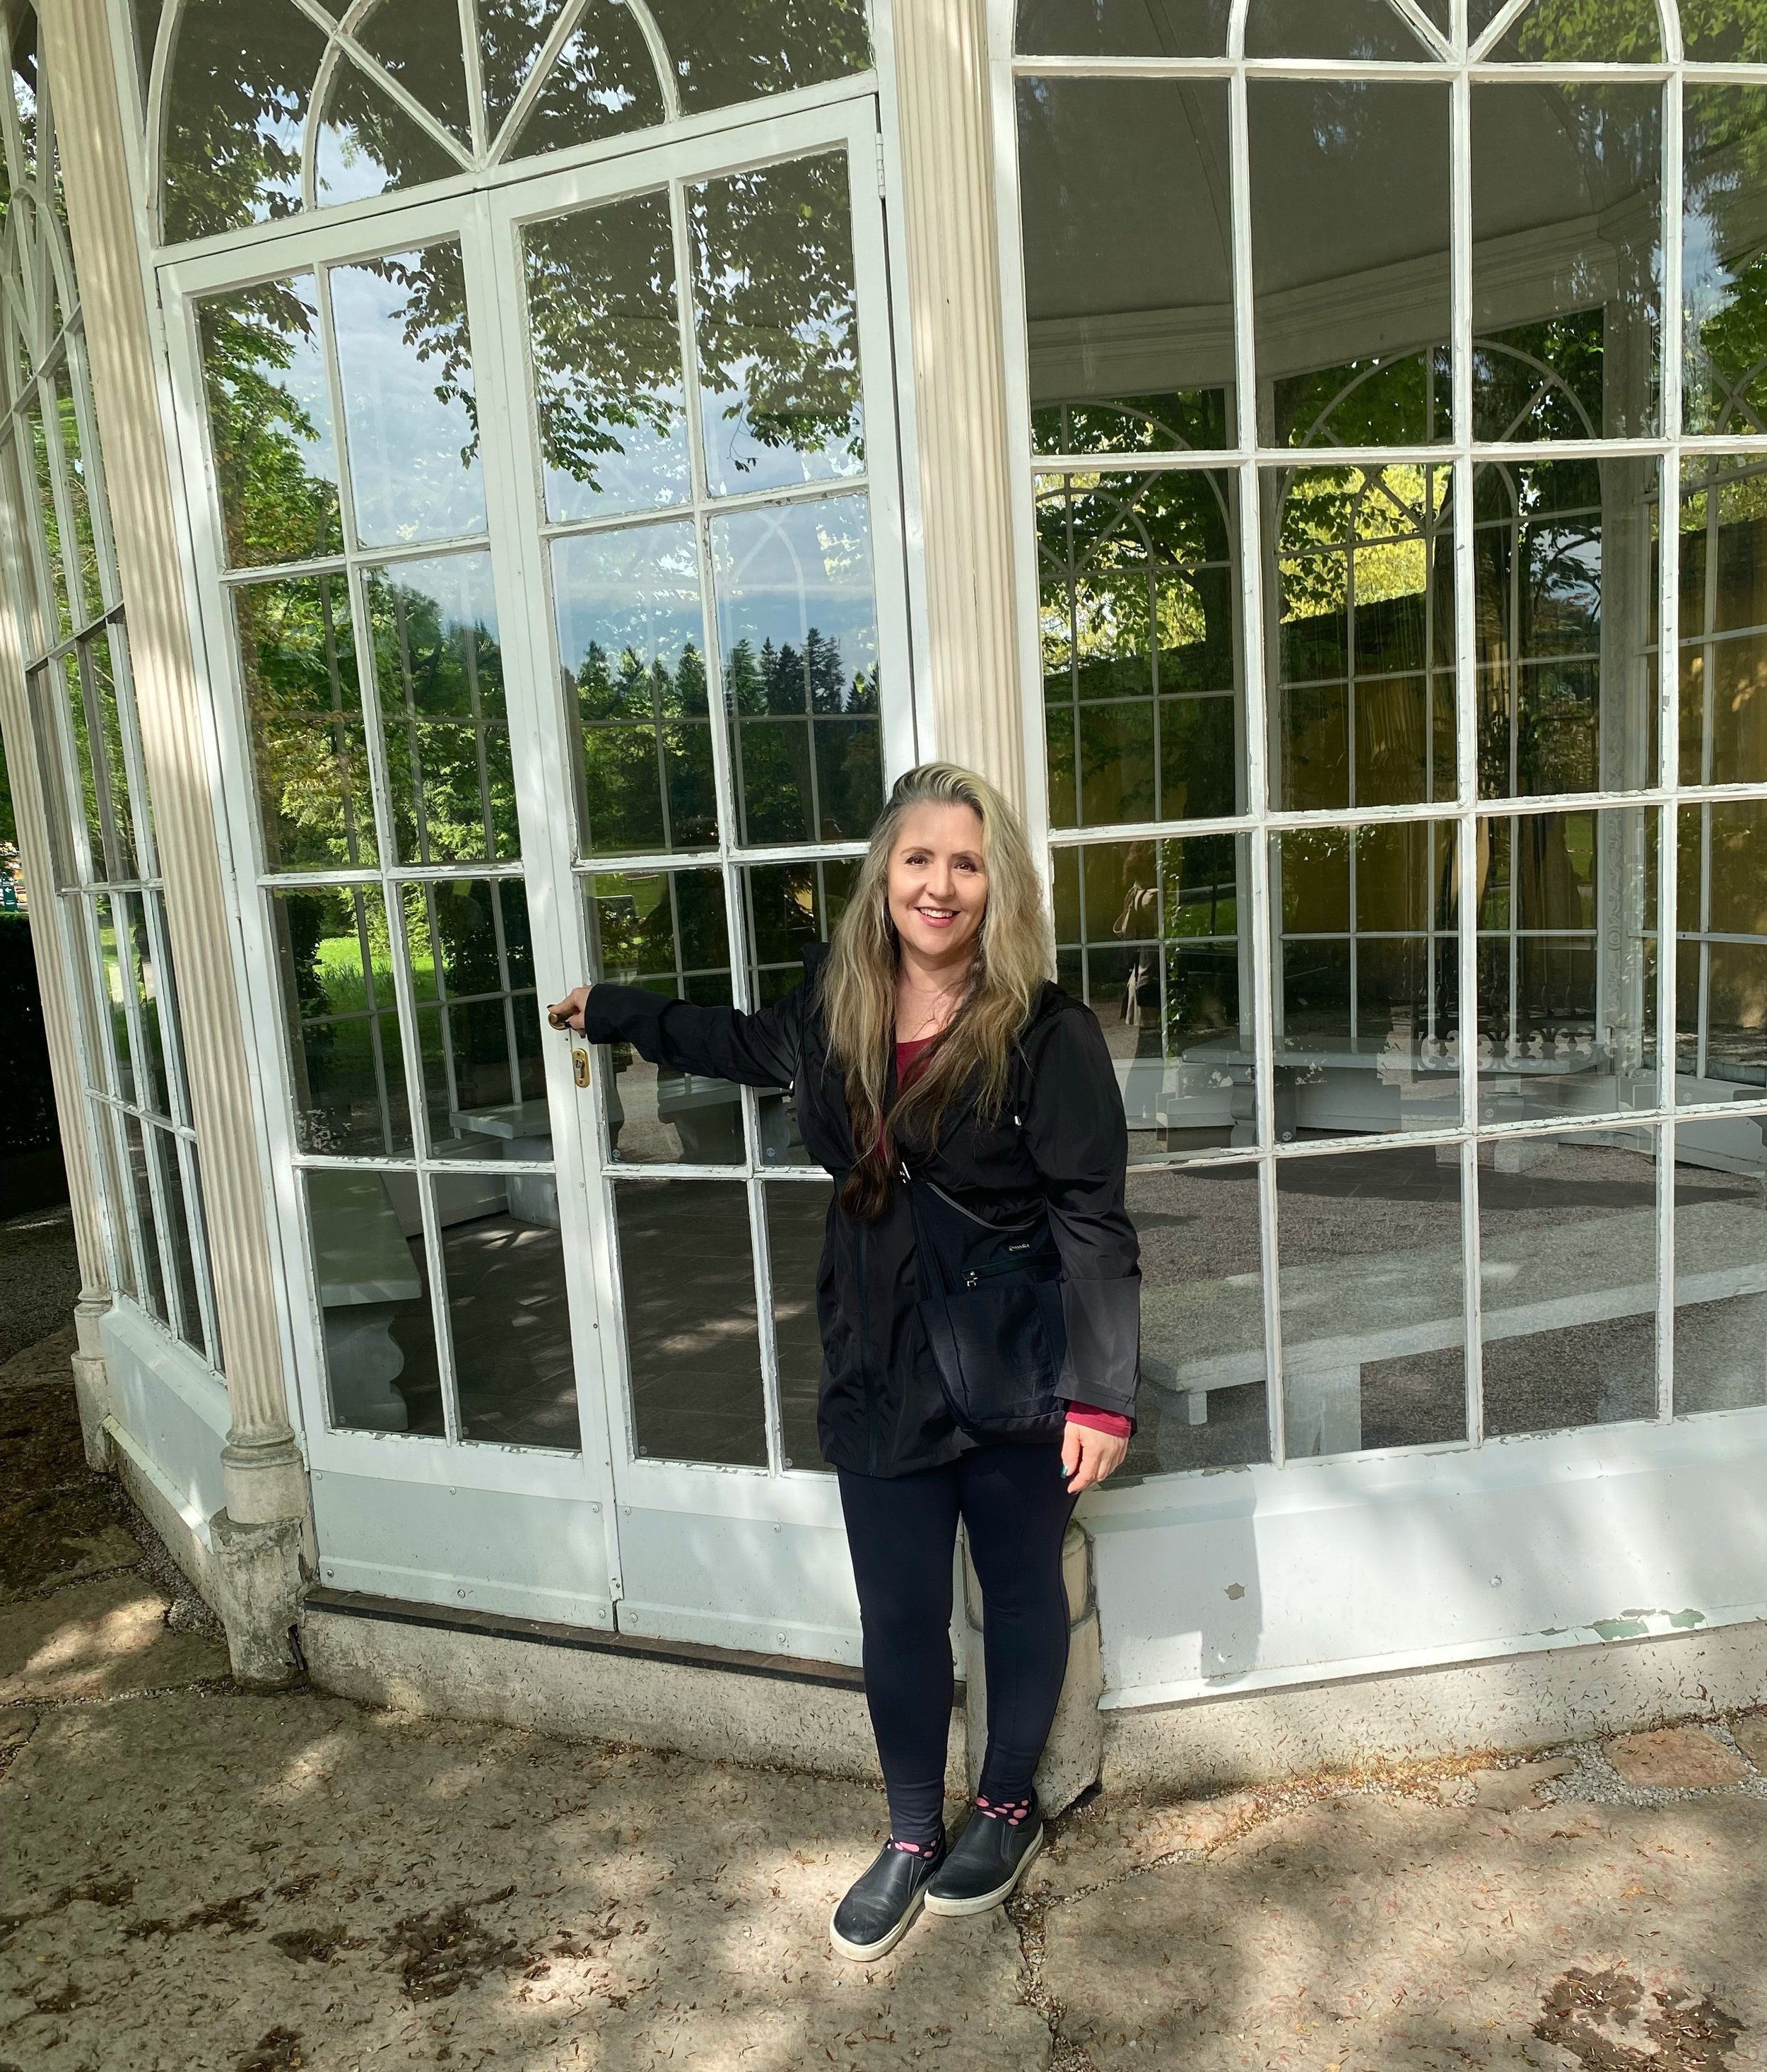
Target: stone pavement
(192, 1877)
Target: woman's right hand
(567, 1013)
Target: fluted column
(971, 667)
(263, 1476)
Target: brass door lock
(579, 1064)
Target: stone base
(258, 1590)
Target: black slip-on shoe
(984, 1863)
(881, 1904)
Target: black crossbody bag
(990, 1303)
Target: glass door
(713, 576)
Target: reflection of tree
(628, 712)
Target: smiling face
(938, 886)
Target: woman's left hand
(1089, 1456)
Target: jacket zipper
(1030, 1223)
(865, 1364)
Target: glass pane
(1373, 1300)
(1565, 317)
(1349, 190)
(1203, 1401)
(106, 1125)
(795, 1216)
(787, 907)
(1137, 609)
(159, 1009)
(135, 953)
(606, 335)
(1362, 657)
(1724, 621)
(43, 689)
(1328, 29)
(123, 857)
(238, 80)
(439, 669)
(631, 628)
(1365, 980)
(508, 1315)
(1565, 615)
(777, 324)
(1564, 1029)
(512, 34)
(1155, 937)
(1567, 32)
(665, 931)
(57, 612)
(471, 966)
(603, 82)
(405, 364)
(1720, 1267)
(303, 703)
(369, 146)
(185, 1235)
(345, 1056)
(1721, 954)
(1715, 33)
(1567, 1245)
(798, 632)
(419, 45)
(693, 1340)
(269, 423)
(1128, 277)
(152, 1292)
(367, 1237)
(110, 919)
(144, 16)
(728, 51)
(1723, 269)
(1106, 28)
(82, 550)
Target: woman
(935, 1070)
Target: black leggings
(902, 1532)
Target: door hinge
(882, 187)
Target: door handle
(579, 1064)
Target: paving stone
(1676, 1759)
(1112, 1837)
(60, 1535)
(1748, 1730)
(45, 1362)
(1508, 1790)
(1372, 1934)
(98, 1640)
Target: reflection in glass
(1137, 608)
(1373, 1300)
(1203, 1401)
(777, 325)
(512, 35)
(345, 1057)
(693, 1342)
(1568, 1247)
(1128, 278)
(419, 46)
(509, 1319)
(607, 358)
(1329, 29)
(1349, 192)
(1565, 616)
(134, 951)
(111, 920)
(106, 1124)
(786, 906)
(1366, 992)
(160, 1008)
(304, 705)
(1564, 1031)
(439, 670)
(153, 1287)
(1363, 653)
(41, 472)
(1720, 35)
(1723, 267)
(1723, 620)
(471, 963)
(665, 931)
(238, 79)
(98, 730)
(1104, 28)
(369, 146)
(1149, 935)
(795, 1216)
(83, 584)
(1721, 952)
(1720, 1266)
(1566, 261)
(269, 423)
(728, 51)
(405, 366)
(184, 1232)
(797, 632)
(601, 82)
(630, 629)
(366, 1234)
(1562, 32)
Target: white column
(263, 1475)
(971, 667)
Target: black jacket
(1059, 1140)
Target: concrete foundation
(257, 1588)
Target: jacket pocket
(1000, 1351)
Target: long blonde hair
(1014, 954)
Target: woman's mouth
(938, 917)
